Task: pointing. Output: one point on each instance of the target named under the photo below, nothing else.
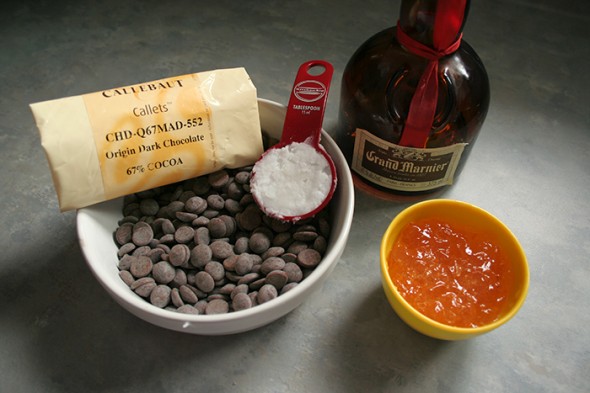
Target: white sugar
(291, 181)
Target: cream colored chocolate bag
(119, 141)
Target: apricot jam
(450, 273)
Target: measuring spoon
(296, 178)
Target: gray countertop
(61, 332)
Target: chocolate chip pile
(202, 246)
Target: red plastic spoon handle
(307, 103)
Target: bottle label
(404, 168)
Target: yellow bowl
(478, 219)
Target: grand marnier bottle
(413, 100)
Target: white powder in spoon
(291, 181)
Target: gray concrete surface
(61, 332)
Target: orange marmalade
(450, 273)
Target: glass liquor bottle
(413, 100)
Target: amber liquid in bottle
(378, 84)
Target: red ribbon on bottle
(447, 25)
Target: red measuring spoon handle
(307, 103)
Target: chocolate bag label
(118, 141)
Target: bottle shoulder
(382, 55)
(380, 80)
(382, 68)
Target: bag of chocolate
(118, 141)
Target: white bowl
(96, 224)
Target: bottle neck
(432, 30)
(435, 23)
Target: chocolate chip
(204, 246)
